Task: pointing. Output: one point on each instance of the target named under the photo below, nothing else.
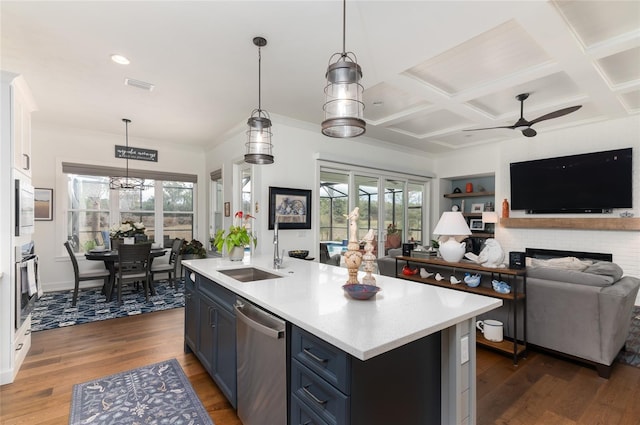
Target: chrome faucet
(277, 260)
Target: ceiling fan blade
(490, 128)
(529, 132)
(556, 114)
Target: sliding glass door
(395, 217)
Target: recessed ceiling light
(120, 59)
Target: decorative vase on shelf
(236, 253)
(505, 208)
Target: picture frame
(476, 224)
(292, 207)
(43, 204)
(477, 208)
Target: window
(403, 204)
(166, 208)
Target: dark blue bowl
(360, 291)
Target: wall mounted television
(587, 183)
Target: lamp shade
(489, 217)
(452, 223)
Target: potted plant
(394, 237)
(236, 238)
(193, 249)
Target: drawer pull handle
(19, 347)
(313, 397)
(313, 356)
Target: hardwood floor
(542, 390)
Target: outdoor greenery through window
(166, 208)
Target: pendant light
(126, 182)
(343, 107)
(259, 134)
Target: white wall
(51, 146)
(296, 149)
(622, 133)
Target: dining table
(110, 258)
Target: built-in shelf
(468, 194)
(628, 224)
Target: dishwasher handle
(260, 321)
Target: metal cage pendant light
(259, 133)
(343, 107)
(126, 182)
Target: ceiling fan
(524, 125)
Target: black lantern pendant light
(126, 182)
(343, 107)
(259, 134)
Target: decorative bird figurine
(472, 280)
(501, 286)
(454, 280)
(425, 274)
(439, 277)
(408, 271)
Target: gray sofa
(582, 314)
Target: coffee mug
(492, 329)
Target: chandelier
(343, 107)
(126, 182)
(259, 133)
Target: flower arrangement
(126, 229)
(238, 235)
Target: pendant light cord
(259, 78)
(344, 28)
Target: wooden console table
(515, 346)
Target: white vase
(236, 253)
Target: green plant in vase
(193, 248)
(238, 234)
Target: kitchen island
(403, 315)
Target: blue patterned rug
(54, 310)
(631, 354)
(155, 394)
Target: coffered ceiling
(431, 68)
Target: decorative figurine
(369, 259)
(439, 277)
(491, 255)
(425, 274)
(454, 280)
(472, 280)
(353, 256)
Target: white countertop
(310, 296)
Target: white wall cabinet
(22, 107)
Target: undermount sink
(249, 274)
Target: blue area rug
(631, 354)
(54, 310)
(156, 394)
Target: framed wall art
(43, 204)
(477, 208)
(476, 224)
(291, 207)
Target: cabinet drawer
(331, 363)
(322, 398)
(301, 414)
(218, 293)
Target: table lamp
(452, 224)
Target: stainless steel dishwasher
(262, 371)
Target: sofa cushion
(574, 276)
(564, 263)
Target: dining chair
(86, 275)
(171, 267)
(133, 263)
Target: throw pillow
(605, 268)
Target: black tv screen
(588, 183)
